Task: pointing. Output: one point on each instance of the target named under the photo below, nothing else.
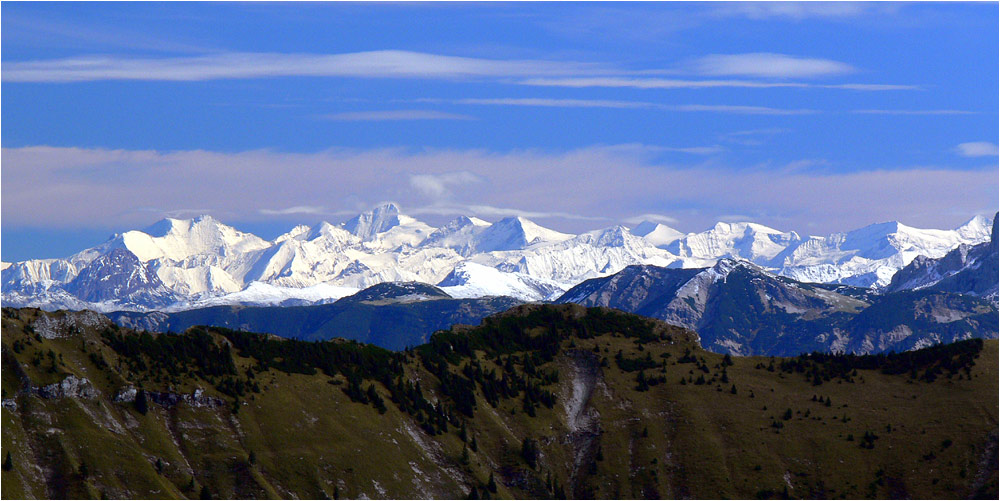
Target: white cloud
(395, 115)
(768, 65)
(582, 188)
(440, 185)
(378, 64)
(977, 149)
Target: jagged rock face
(638, 289)
(741, 309)
(71, 387)
(119, 276)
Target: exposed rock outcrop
(56, 326)
(71, 387)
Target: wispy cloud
(490, 211)
(698, 150)
(801, 10)
(378, 64)
(769, 65)
(977, 149)
(914, 112)
(440, 186)
(298, 209)
(407, 64)
(556, 103)
(393, 115)
(600, 103)
(114, 187)
(669, 83)
(743, 110)
(653, 218)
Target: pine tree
(733, 390)
(529, 451)
(474, 493)
(492, 484)
(141, 403)
(473, 446)
(8, 463)
(205, 493)
(465, 455)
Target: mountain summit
(202, 261)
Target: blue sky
(809, 117)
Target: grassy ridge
(550, 401)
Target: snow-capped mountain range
(179, 264)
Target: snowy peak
(296, 233)
(459, 234)
(331, 233)
(515, 233)
(975, 228)
(385, 229)
(470, 280)
(616, 236)
(754, 242)
(178, 239)
(967, 269)
(658, 235)
(378, 220)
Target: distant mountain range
(735, 306)
(739, 308)
(184, 264)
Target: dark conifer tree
(141, 402)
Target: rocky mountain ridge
(201, 262)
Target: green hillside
(543, 401)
